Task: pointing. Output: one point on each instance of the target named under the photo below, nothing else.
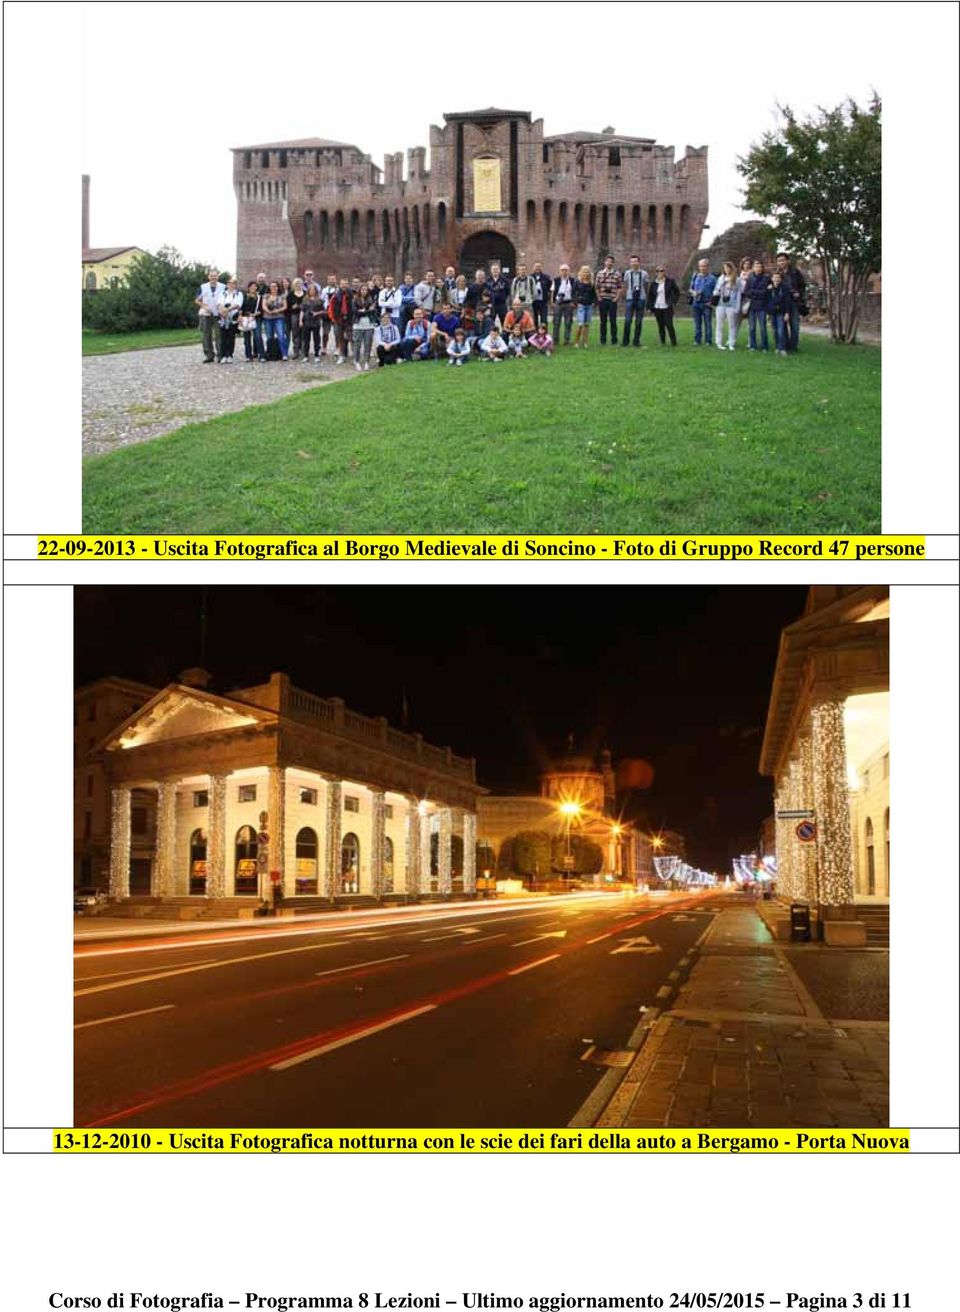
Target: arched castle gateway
(497, 188)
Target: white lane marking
(542, 961)
(557, 933)
(209, 965)
(351, 1038)
(598, 939)
(133, 970)
(105, 1020)
(359, 965)
(485, 938)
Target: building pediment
(181, 712)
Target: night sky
(678, 677)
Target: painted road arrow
(557, 933)
(453, 934)
(641, 944)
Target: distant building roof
(605, 138)
(492, 112)
(96, 254)
(302, 143)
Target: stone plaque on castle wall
(486, 186)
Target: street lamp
(570, 810)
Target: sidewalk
(745, 1043)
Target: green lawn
(654, 441)
(99, 343)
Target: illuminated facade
(578, 796)
(272, 787)
(826, 746)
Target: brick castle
(497, 188)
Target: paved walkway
(744, 1043)
(135, 395)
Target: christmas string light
(832, 804)
(120, 843)
(216, 835)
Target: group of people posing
(494, 317)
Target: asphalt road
(475, 1018)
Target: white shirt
(210, 297)
(565, 289)
(491, 343)
(661, 302)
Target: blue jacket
(701, 287)
(779, 299)
(756, 290)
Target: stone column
(469, 852)
(411, 878)
(120, 842)
(277, 825)
(832, 802)
(333, 829)
(377, 836)
(424, 877)
(165, 881)
(444, 875)
(217, 836)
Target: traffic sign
(806, 831)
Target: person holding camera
(726, 294)
(635, 282)
(562, 291)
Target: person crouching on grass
(444, 324)
(540, 340)
(416, 338)
(386, 341)
(516, 343)
(458, 352)
(585, 296)
(493, 347)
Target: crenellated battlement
(492, 174)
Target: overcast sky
(172, 87)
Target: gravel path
(135, 395)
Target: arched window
(198, 862)
(324, 228)
(562, 219)
(90, 281)
(245, 861)
(350, 864)
(668, 223)
(620, 224)
(652, 224)
(354, 228)
(442, 221)
(635, 225)
(592, 225)
(371, 228)
(385, 226)
(578, 223)
(684, 222)
(426, 222)
(605, 227)
(547, 218)
(886, 848)
(338, 228)
(871, 859)
(388, 865)
(306, 855)
(531, 214)
(308, 227)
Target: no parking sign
(806, 831)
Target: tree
(818, 179)
(587, 855)
(530, 852)
(160, 292)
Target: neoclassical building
(274, 785)
(572, 778)
(827, 747)
(498, 188)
